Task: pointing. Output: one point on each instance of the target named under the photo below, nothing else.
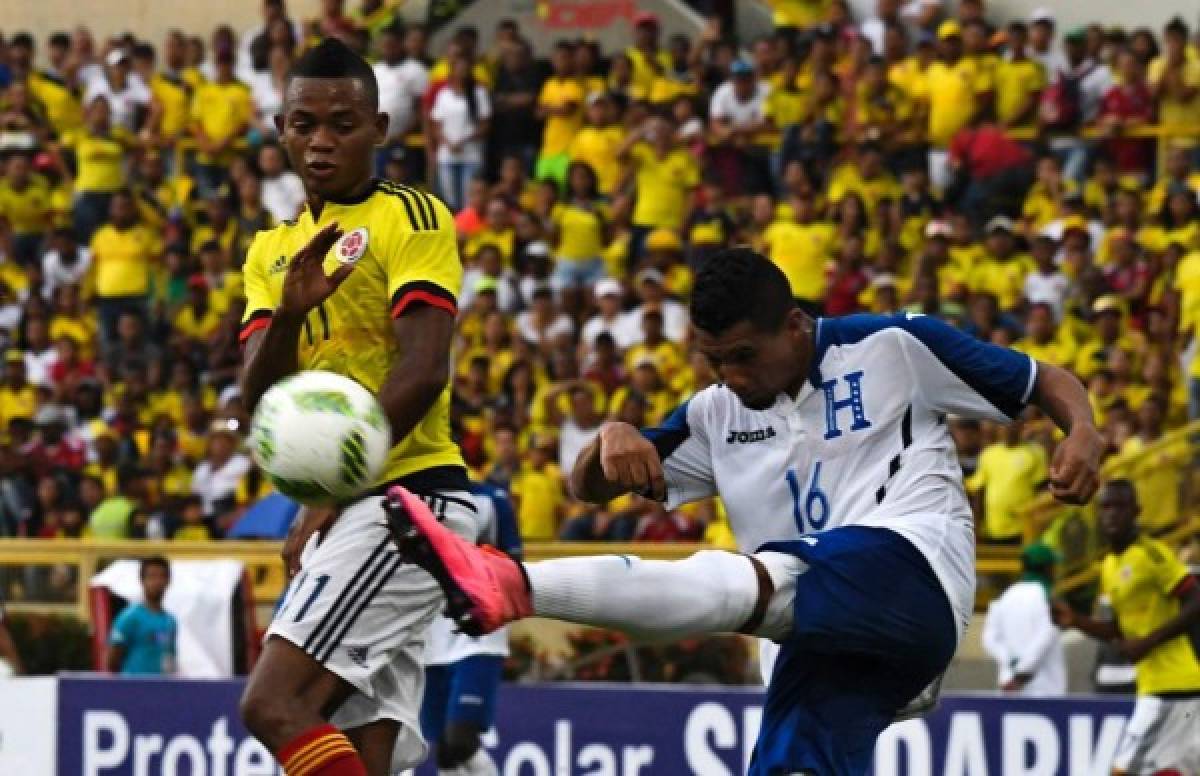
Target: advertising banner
(28, 710)
(111, 727)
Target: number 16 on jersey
(810, 509)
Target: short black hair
(22, 40)
(153, 560)
(1121, 483)
(740, 284)
(60, 40)
(333, 59)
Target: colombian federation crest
(352, 246)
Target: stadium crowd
(1036, 187)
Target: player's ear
(278, 118)
(381, 125)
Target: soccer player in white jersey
(827, 441)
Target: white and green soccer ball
(320, 437)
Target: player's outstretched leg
(709, 592)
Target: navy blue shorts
(460, 692)
(873, 628)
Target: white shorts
(1162, 734)
(361, 613)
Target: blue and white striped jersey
(864, 443)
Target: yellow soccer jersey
(1141, 583)
(407, 254)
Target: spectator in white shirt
(217, 477)
(65, 264)
(579, 426)
(543, 325)
(608, 293)
(40, 353)
(1042, 45)
(1047, 284)
(737, 117)
(282, 189)
(653, 294)
(460, 117)
(402, 79)
(127, 96)
(1019, 631)
(489, 274)
(266, 91)
(887, 12)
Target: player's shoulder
(267, 241)
(410, 208)
(1153, 552)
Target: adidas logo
(357, 655)
(279, 265)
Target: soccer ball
(320, 437)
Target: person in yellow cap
(1108, 332)
(664, 251)
(954, 85)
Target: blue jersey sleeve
(953, 371)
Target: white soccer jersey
(864, 443)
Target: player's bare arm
(271, 353)
(422, 371)
(1075, 469)
(619, 460)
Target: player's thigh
(354, 606)
(1173, 745)
(375, 742)
(1135, 750)
(288, 692)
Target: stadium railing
(52, 575)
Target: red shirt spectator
(1128, 104)
(986, 150)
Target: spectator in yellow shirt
(197, 319)
(25, 201)
(123, 252)
(646, 59)
(1174, 78)
(1001, 270)
(1019, 81)
(560, 105)
(1044, 339)
(220, 115)
(18, 398)
(100, 167)
(597, 142)
(1009, 474)
(538, 493)
(579, 228)
(665, 176)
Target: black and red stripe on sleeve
(423, 292)
(258, 320)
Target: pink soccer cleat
(485, 589)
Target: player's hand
(1134, 650)
(1075, 470)
(631, 460)
(309, 521)
(306, 285)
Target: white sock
(709, 592)
(479, 764)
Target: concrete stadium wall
(151, 19)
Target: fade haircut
(333, 59)
(739, 284)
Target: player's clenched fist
(631, 460)
(306, 285)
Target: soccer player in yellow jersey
(363, 283)
(1156, 603)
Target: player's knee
(264, 715)
(458, 744)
